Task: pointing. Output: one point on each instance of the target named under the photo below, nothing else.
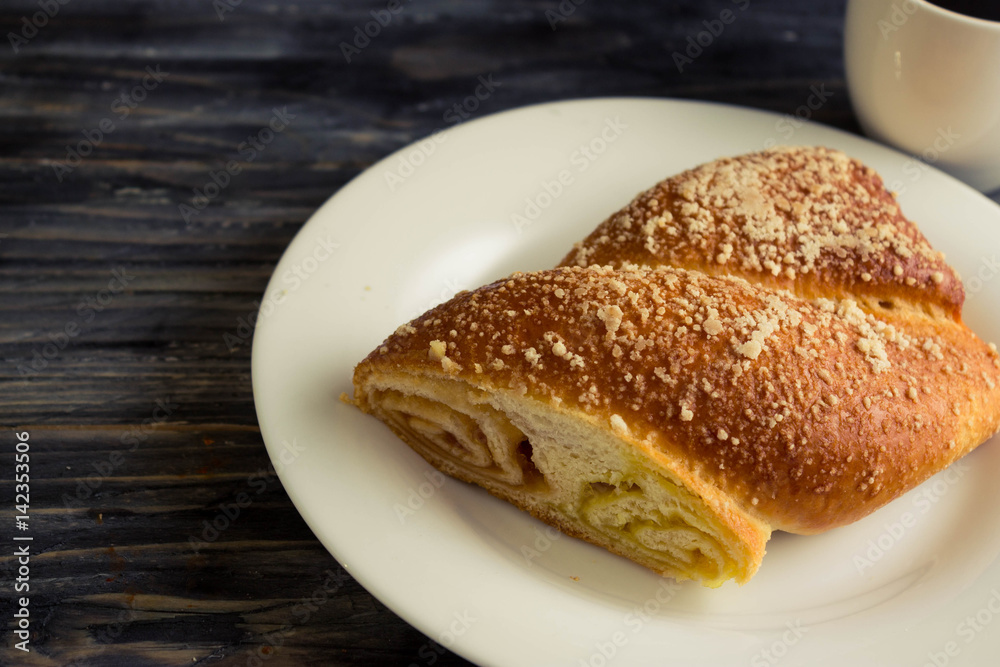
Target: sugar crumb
(618, 425)
(437, 350)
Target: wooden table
(132, 252)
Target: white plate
(916, 583)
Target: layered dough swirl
(762, 343)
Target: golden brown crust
(765, 337)
(810, 414)
(808, 220)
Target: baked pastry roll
(677, 415)
(809, 220)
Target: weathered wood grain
(124, 570)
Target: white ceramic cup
(927, 80)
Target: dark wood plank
(124, 571)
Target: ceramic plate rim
(473, 645)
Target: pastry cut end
(761, 343)
(588, 477)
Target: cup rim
(957, 16)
